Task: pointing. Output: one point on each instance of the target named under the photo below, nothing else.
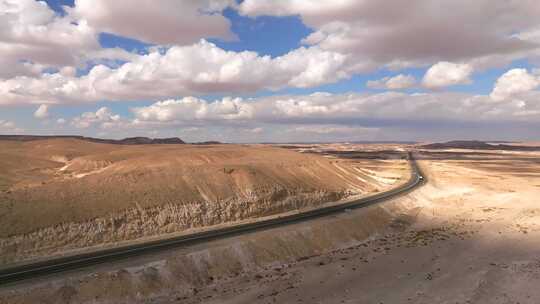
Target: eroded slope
(63, 194)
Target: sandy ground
(472, 235)
(475, 240)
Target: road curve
(61, 264)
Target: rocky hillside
(62, 194)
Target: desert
(467, 236)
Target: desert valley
(471, 228)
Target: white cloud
(397, 34)
(7, 126)
(167, 22)
(323, 116)
(445, 74)
(302, 106)
(256, 130)
(192, 109)
(337, 109)
(397, 82)
(334, 130)
(61, 121)
(513, 83)
(350, 37)
(197, 69)
(102, 117)
(42, 112)
(33, 37)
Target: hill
(68, 193)
(477, 145)
(125, 141)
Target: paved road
(56, 265)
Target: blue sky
(308, 52)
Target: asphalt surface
(74, 262)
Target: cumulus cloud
(7, 126)
(167, 22)
(181, 70)
(103, 118)
(334, 130)
(372, 110)
(513, 83)
(397, 82)
(445, 74)
(42, 112)
(33, 37)
(193, 109)
(61, 121)
(398, 34)
(256, 130)
(323, 116)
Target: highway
(62, 264)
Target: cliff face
(135, 223)
(69, 194)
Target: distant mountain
(211, 142)
(459, 144)
(477, 145)
(125, 141)
(150, 141)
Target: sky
(272, 70)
